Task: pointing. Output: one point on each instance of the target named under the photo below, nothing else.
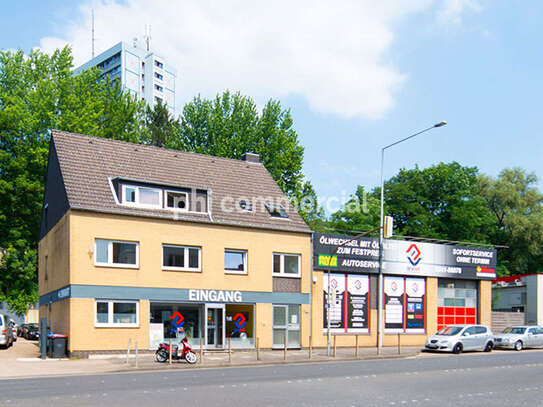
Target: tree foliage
(360, 213)
(38, 93)
(516, 205)
(441, 201)
(231, 125)
(161, 128)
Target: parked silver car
(520, 337)
(457, 338)
(6, 332)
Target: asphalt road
(506, 378)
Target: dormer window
(276, 211)
(245, 205)
(142, 196)
(151, 196)
(130, 194)
(177, 200)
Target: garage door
(457, 302)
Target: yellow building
(144, 244)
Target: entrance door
(286, 323)
(214, 326)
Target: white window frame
(186, 256)
(110, 323)
(245, 262)
(137, 203)
(177, 209)
(110, 254)
(282, 265)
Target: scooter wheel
(191, 357)
(161, 356)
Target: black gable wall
(55, 202)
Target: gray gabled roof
(87, 164)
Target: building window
(116, 313)
(158, 87)
(235, 261)
(115, 253)
(46, 268)
(159, 64)
(245, 205)
(182, 258)
(286, 265)
(177, 200)
(158, 76)
(276, 211)
(142, 196)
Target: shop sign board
(403, 257)
(215, 296)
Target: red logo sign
(413, 254)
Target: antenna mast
(148, 36)
(92, 33)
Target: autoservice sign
(403, 257)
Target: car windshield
(32, 326)
(450, 331)
(514, 330)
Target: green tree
(38, 93)
(308, 205)
(160, 125)
(361, 213)
(516, 205)
(230, 125)
(442, 201)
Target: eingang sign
(215, 296)
(402, 257)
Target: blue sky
(476, 64)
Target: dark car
(21, 330)
(32, 332)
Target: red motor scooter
(163, 352)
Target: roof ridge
(191, 153)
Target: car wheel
(489, 346)
(457, 348)
(518, 345)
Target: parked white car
(6, 332)
(520, 337)
(458, 338)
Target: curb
(179, 366)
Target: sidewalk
(28, 367)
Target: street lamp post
(381, 238)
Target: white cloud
(333, 54)
(452, 11)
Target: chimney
(250, 157)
